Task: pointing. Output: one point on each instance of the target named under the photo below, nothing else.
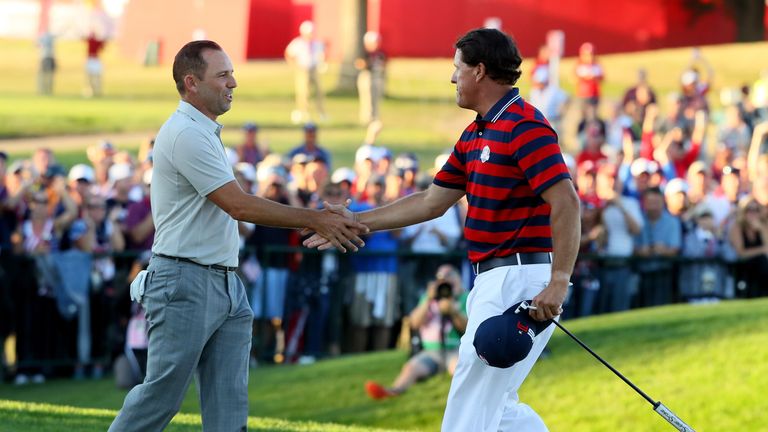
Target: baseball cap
(3, 155)
(689, 77)
(251, 127)
(302, 158)
(107, 146)
(676, 185)
(265, 171)
(147, 177)
(698, 167)
(503, 340)
(310, 126)
(247, 170)
(343, 174)
(643, 165)
(119, 172)
(81, 172)
(407, 161)
(367, 151)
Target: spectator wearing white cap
(701, 191)
(81, 178)
(404, 173)
(367, 159)
(345, 177)
(644, 174)
(676, 197)
(120, 184)
(694, 87)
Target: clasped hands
(335, 227)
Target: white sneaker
(21, 379)
(306, 360)
(38, 379)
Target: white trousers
(484, 398)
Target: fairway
(708, 363)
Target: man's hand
(342, 230)
(322, 242)
(445, 305)
(549, 302)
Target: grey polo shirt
(189, 163)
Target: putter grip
(673, 419)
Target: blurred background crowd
(674, 209)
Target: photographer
(440, 319)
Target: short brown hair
(189, 60)
(496, 50)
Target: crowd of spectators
(667, 216)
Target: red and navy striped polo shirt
(504, 161)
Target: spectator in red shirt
(589, 74)
(95, 44)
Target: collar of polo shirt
(495, 112)
(195, 114)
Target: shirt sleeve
(539, 155)
(200, 162)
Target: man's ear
(190, 83)
(479, 72)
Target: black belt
(514, 259)
(208, 266)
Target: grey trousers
(199, 323)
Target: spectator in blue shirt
(660, 237)
(310, 147)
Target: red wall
(250, 29)
(273, 23)
(417, 28)
(174, 21)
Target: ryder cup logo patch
(485, 155)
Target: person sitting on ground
(441, 318)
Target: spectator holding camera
(440, 319)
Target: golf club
(659, 407)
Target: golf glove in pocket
(137, 286)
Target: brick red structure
(251, 29)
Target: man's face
(466, 84)
(676, 202)
(731, 185)
(214, 92)
(653, 204)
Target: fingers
(545, 312)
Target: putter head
(503, 340)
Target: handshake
(335, 226)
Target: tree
(748, 15)
(354, 16)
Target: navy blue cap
(310, 126)
(250, 126)
(503, 340)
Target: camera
(444, 290)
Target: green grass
(420, 115)
(708, 363)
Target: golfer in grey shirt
(196, 307)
